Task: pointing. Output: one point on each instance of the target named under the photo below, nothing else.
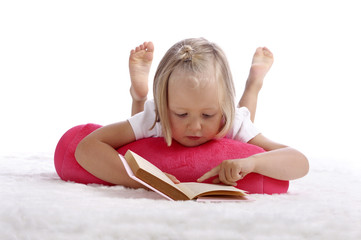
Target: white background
(64, 63)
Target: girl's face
(194, 112)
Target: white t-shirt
(243, 129)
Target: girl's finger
(235, 175)
(213, 172)
(224, 177)
(216, 181)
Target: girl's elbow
(307, 166)
(304, 166)
(299, 164)
(80, 151)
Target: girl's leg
(140, 61)
(261, 63)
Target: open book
(152, 177)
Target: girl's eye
(207, 115)
(181, 115)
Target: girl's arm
(96, 153)
(279, 162)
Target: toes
(137, 49)
(146, 46)
(267, 52)
(149, 46)
(263, 51)
(259, 52)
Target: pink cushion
(187, 164)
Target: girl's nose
(195, 125)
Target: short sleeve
(243, 129)
(142, 122)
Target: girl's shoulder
(143, 122)
(242, 113)
(243, 128)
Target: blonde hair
(195, 55)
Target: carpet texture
(36, 204)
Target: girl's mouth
(193, 138)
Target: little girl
(193, 104)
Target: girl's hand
(173, 178)
(230, 171)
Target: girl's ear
(223, 122)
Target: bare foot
(261, 63)
(140, 60)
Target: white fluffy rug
(36, 204)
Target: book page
(195, 189)
(152, 175)
(218, 199)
